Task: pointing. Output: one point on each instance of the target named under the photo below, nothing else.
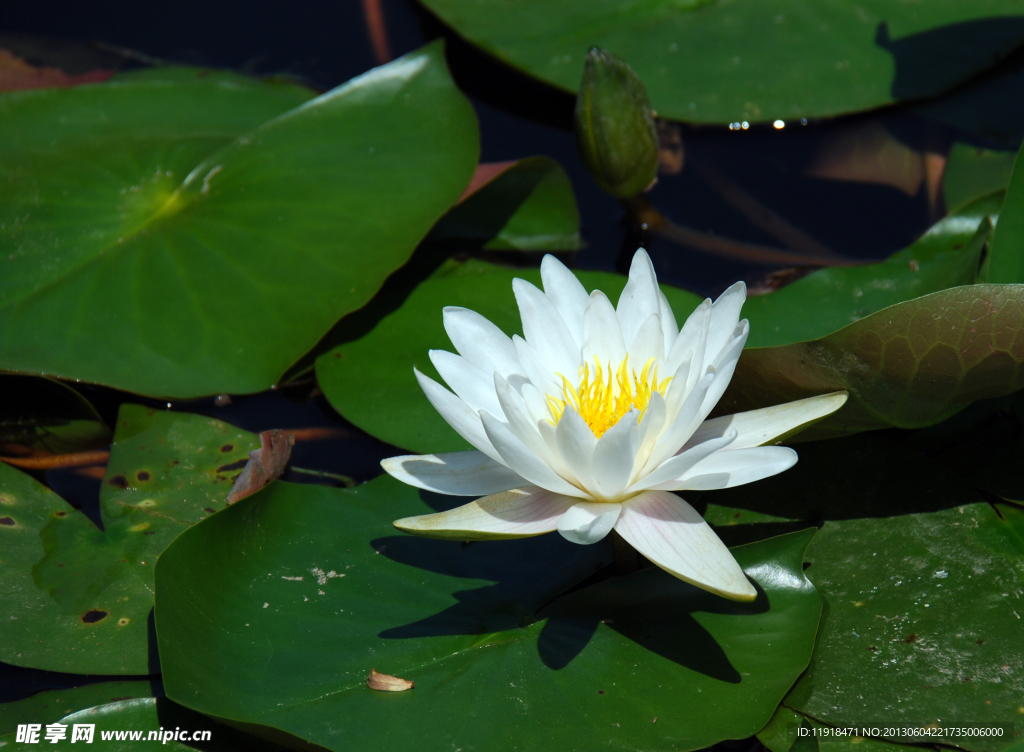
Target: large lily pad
(140, 255)
(370, 380)
(908, 365)
(923, 621)
(275, 611)
(789, 731)
(719, 62)
(945, 256)
(921, 579)
(81, 595)
(529, 206)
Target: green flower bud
(614, 124)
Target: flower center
(601, 401)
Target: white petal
(566, 294)
(769, 424)
(544, 329)
(576, 444)
(519, 513)
(453, 473)
(639, 299)
(691, 340)
(522, 460)
(735, 467)
(614, 455)
(666, 475)
(648, 343)
(588, 522)
(725, 315)
(651, 426)
(682, 426)
(670, 328)
(472, 385)
(481, 342)
(539, 374)
(602, 335)
(524, 426)
(670, 533)
(725, 366)
(465, 421)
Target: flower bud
(615, 131)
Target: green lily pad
(718, 62)
(309, 586)
(44, 415)
(147, 254)
(52, 705)
(363, 375)
(528, 207)
(81, 595)
(923, 621)
(945, 256)
(125, 712)
(921, 580)
(781, 735)
(910, 365)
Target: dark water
(326, 43)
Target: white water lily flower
(589, 421)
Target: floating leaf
(370, 381)
(141, 256)
(46, 416)
(909, 365)
(86, 591)
(927, 594)
(945, 256)
(527, 205)
(780, 735)
(123, 710)
(919, 574)
(719, 62)
(246, 595)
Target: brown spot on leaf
(980, 642)
(232, 466)
(142, 475)
(60, 514)
(912, 637)
(387, 683)
(93, 616)
(600, 691)
(211, 510)
(264, 465)
(119, 481)
(7, 521)
(227, 448)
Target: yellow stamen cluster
(600, 401)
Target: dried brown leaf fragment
(265, 464)
(386, 682)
